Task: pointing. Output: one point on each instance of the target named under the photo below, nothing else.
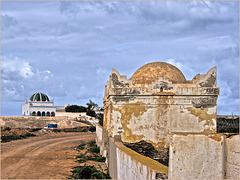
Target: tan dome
(149, 73)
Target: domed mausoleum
(149, 73)
(157, 101)
(39, 105)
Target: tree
(75, 108)
(100, 117)
(91, 105)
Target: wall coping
(154, 165)
(99, 125)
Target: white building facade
(39, 105)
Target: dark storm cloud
(80, 42)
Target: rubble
(146, 149)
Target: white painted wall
(204, 156)
(233, 157)
(125, 163)
(130, 168)
(71, 114)
(99, 136)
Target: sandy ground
(46, 157)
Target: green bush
(91, 113)
(92, 143)
(92, 129)
(35, 129)
(225, 125)
(83, 172)
(75, 108)
(94, 149)
(100, 159)
(81, 146)
(29, 135)
(88, 172)
(9, 138)
(84, 130)
(8, 129)
(56, 130)
(100, 117)
(99, 174)
(81, 158)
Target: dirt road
(46, 157)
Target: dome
(149, 73)
(39, 97)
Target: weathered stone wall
(37, 122)
(157, 101)
(70, 114)
(152, 119)
(232, 157)
(204, 156)
(125, 163)
(99, 136)
(113, 160)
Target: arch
(38, 113)
(53, 114)
(43, 113)
(34, 113)
(48, 114)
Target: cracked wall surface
(158, 101)
(204, 156)
(232, 157)
(125, 163)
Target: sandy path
(45, 157)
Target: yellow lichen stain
(162, 118)
(159, 146)
(203, 115)
(215, 137)
(127, 112)
(145, 160)
(105, 118)
(151, 72)
(99, 125)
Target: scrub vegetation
(9, 138)
(227, 125)
(89, 153)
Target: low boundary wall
(37, 122)
(99, 136)
(124, 163)
(204, 156)
(232, 157)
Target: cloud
(67, 49)
(18, 76)
(173, 62)
(16, 67)
(7, 21)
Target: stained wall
(204, 156)
(125, 163)
(157, 101)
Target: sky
(67, 49)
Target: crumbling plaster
(157, 101)
(196, 156)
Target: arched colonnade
(42, 114)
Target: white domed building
(39, 105)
